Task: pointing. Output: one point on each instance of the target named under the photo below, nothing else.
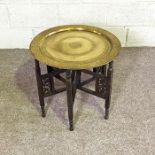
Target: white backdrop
(132, 21)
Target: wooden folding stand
(101, 75)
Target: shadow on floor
(26, 81)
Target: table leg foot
(106, 114)
(106, 117)
(71, 128)
(42, 105)
(43, 112)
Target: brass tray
(75, 47)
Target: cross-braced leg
(109, 86)
(69, 97)
(40, 87)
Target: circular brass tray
(75, 47)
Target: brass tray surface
(75, 47)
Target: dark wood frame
(103, 84)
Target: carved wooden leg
(94, 70)
(100, 84)
(75, 81)
(40, 87)
(51, 79)
(78, 77)
(98, 80)
(109, 86)
(69, 98)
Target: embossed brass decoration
(75, 47)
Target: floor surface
(130, 129)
